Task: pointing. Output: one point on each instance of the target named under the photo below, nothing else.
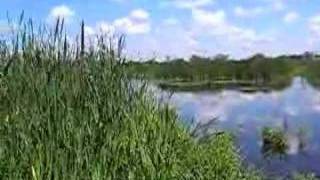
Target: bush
(274, 141)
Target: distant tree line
(258, 68)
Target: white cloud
(269, 6)
(207, 32)
(130, 26)
(248, 12)
(209, 26)
(190, 4)
(314, 25)
(207, 18)
(61, 11)
(137, 22)
(197, 37)
(216, 24)
(89, 31)
(139, 14)
(291, 17)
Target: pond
(296, 110)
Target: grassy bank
(69, 111)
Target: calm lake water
(296, 109)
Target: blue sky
(184, 27)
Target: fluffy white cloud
(209, 31)
(216, 24)
(240, 11)
(137, 22)
(61, 11)
(314, 24)
(130, 26)
(207, 18)
(219, 35)
(139, 14)
(291, 17)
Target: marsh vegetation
(69, 111)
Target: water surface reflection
(295, 109)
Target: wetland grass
(69, 111)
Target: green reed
(69, 111)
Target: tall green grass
(69, 111)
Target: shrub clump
(274, 141)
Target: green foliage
(259, 70)
(274, 141)
(69, 111)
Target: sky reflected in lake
(294, 109)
